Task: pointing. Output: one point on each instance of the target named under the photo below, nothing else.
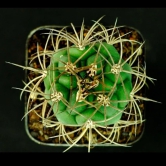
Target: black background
(15, 26)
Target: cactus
(88, 84)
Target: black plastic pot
(33, 135)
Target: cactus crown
(89, 83)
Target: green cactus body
(52, 75)
(85, 85)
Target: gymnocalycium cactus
(87, 84)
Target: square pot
(40, 134)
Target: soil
(35, 127)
